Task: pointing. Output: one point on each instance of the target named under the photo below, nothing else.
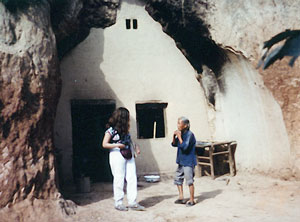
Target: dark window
(128, 26)
(135, 24)
(150, 120)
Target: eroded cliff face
(284, 83)
(29, 91)
(182, 20)
(241, 27)
(73, 19)
(244, 26)
(30, 83)
(30, 78)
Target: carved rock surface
(30, 78)
(284, 83)
(242, 27)
(29, 84)
(72, 21)
(183, 21)
(29, 91)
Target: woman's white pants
(123, 169)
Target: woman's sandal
(179, 201)
(190, 204)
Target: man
(185, 142)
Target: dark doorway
(89, 118)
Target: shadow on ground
(204, 196)
(102, 191)
(207, 195)
(99, 191)
(152, 201)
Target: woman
(116, 138)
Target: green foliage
(14, 5)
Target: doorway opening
(90, 159)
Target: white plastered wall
(132, 66)
(247, 112)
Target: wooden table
(228, 148)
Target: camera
(126, 141)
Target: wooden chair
(228, 151)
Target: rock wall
(30, 79)
(244, 26)
(241, 27)
(29, 91)
(247, 112)
(73, 19)
(284, 83)
(30, 84)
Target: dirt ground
(240, 198)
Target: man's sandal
(180, 201)
(190, 204)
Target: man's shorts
(184, 172)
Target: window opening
(150, 120)
(135, 24)
(128, 25)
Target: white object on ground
(152, 178)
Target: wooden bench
(228, 150)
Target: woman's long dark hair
(119, 120)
